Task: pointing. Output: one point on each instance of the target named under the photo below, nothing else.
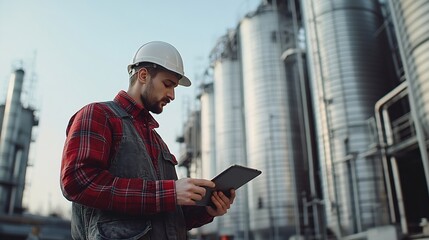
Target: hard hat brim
(184, 81)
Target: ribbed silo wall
(411, 21)
(208, 143)
(230, 142)
(348, 75)
(273, 138)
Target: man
(117, 170)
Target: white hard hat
(162, 54)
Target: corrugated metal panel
(273, 138)
(412, 30)
(348, 76)
(208, 142)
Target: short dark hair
(152, 68)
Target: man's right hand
(189, 190)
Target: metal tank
(274, 140)
(8, 139)
(412, 31)
(230, 141)
(208, 145)
(208, 140)
(411, 19)
(348, 75)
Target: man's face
(159, 91)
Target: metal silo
(273, 136)
(230, 142)
(411, 19)
(348, 73)
(208, 142)
(208, 145)
(9, 152)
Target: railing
(403, 128)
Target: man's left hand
(222, 203)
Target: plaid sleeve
(84, 175)
(196, 216)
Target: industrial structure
(17, 121)
(330, 100)
(15, 138)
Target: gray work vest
(131, 161)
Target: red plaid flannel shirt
(88, 149)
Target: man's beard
(149, 103)
(154, 107)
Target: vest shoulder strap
(116, 109)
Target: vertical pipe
(379, 113)
(399, 195)
(310, 157)
(356, 197)
(9, 137)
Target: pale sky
(76, 52)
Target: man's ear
(142, 75)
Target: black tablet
(232, 178)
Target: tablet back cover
(233, 177)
